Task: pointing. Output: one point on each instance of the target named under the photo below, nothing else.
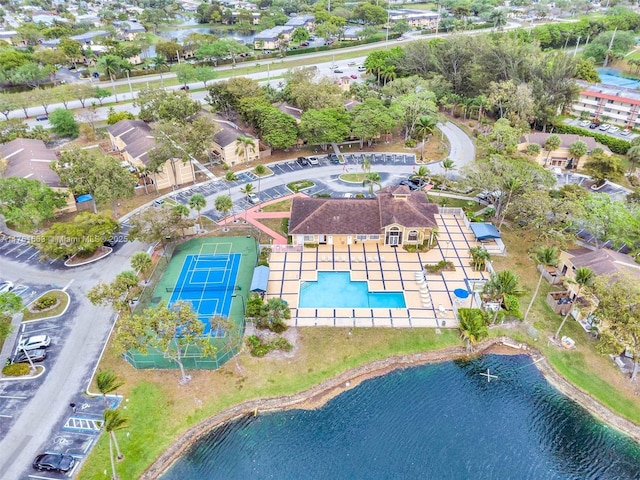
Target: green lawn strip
(155, 422)
(352, 177)
(63, 300)
(470, 205)
(282, 206)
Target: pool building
(351, 262)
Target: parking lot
(576, 122)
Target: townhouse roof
(362, 216)
(604, 261)
(136, 136)
(566, 140)
(228, 135)
(29, 158)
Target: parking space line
(15, 248)
(44, 478)
(23, 252)
(33, 255)
(6, 416)
(13, 397)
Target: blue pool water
(336, 290)
(613, 76)
(441, 421)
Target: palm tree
(113, 421)
(583, 278)
(247, 189)
(243, 145)
(181, 210)
(110, 65)
(448, 164)
(578, 150)
(141, 262)
(473, 325)
(231, 177)
(366, 165)
(423, 128)
(552, 143)
(260, 170)
(107, 381)
(371, 179)
(223, 204)
(198, 202)
(543, 257)
(479, 258)
(160, 62)
(502, 285)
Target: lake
(440, 421)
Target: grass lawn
(282, 206)
(456, 202)
(274, 224)
(63, 301)
(159, 409)
(352, 177)
(300, 185)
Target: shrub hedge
(44, 302)
(616, 145)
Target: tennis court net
(206, 288)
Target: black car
(54, 462)
(303, 161)
(418, 182)
(594, 125)
(407, 183)
(37, 355)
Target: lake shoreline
(318, 395)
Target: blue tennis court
(208, 281)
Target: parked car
(418, 182)
(185, 87)
(37, 355)
(313, 161)
(362, 68)
(42, 118)
(604, 127)
(585, 123)
(354, 76)
(35, 342)
(348, 195)
(304, 44)
(407, 183)
(110, 242)
(594, 125)
(54, 462)
(6, 286)
(253, 198)
(158, 203)
(625, 133)
(613, 129)
(338, 71)
(333, 159)
(303, 161)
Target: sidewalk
(254, 214)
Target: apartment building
(619, 106)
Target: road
(279, 65)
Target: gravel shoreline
(319, 394)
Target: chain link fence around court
(164, 278)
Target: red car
(354, 76)
(304, 44)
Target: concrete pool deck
(385, 269)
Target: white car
(585, 123)
(37, 341)
(6, 286)
(253, 198)
(313, 161)
(614, 129)
(604, 127)
(348, 195)
(625, 133)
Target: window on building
(309, 238)
(361, 238)
(413, 236)
(374, 237)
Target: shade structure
(484, 230)
(260, 279)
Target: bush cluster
(44, 302)
(259, 348)
(442, 265)
(16, 370)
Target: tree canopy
(27, 203)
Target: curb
(109, 252)
(41, 369)
(52, 316)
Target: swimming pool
(336, 290)
(613, 76)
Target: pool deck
(385, 269)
